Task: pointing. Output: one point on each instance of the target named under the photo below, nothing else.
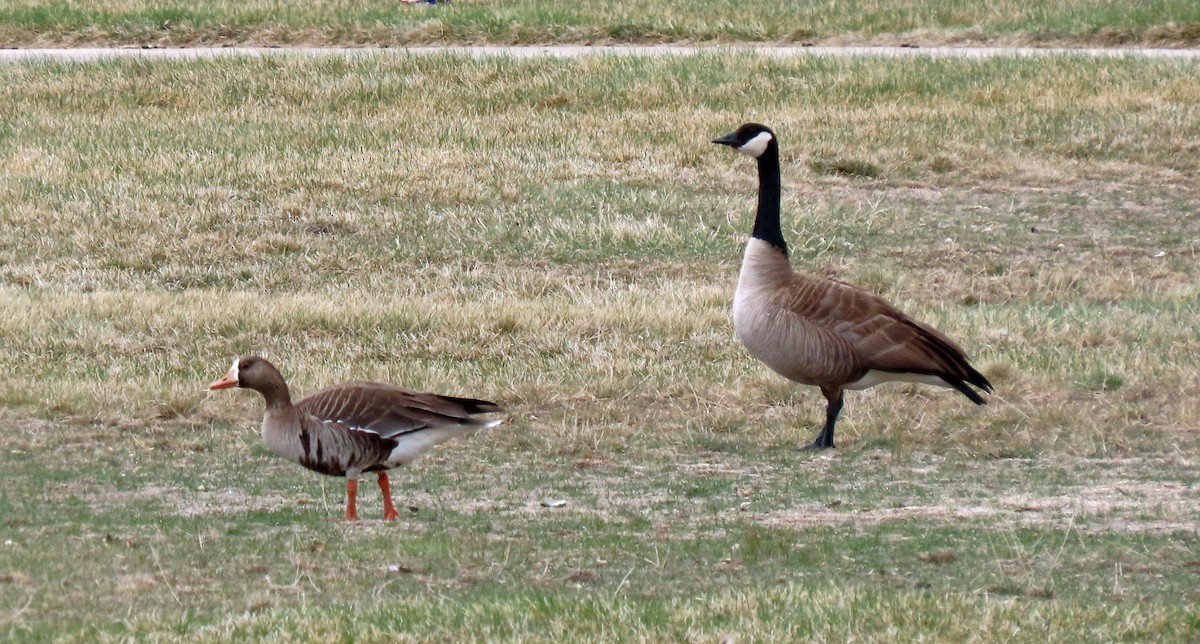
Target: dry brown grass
(364, 23)
(558, 235)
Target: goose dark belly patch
(321, 467)
(304, 444)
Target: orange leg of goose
(351, 499)
(389, 510)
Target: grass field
(559, 236)
(1169, 23)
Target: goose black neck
(766, 221)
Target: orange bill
(227, 381)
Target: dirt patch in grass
(814, 515)
(189, 503)
(1119, 505)
(1126, 506)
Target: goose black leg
(824, 440)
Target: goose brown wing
(881, 336)
(389, 410)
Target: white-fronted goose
(357, 427)
(822, 332)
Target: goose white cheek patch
(756, 146)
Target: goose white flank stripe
(822, 332)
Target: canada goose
(357, 427)
(823, 332)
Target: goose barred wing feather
(391, 411)
(882, 337)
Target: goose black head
(751, 139)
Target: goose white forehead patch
(756, 146)
(234, 369)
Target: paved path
(575, 50)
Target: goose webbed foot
(817, 445)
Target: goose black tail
(475, 406)
(974, 378)
(954, 358)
